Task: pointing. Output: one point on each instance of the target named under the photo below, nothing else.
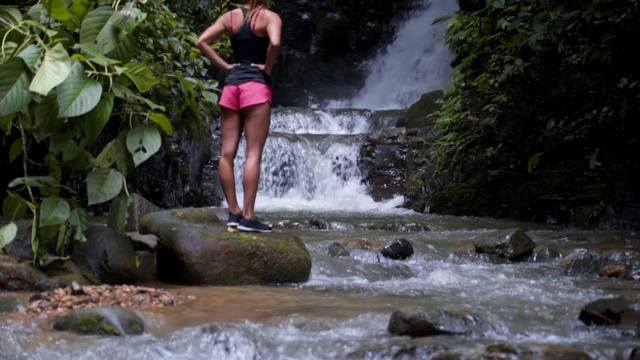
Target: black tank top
(248, 48)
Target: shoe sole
(233, 224)
(248, 229)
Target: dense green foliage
(542, 118)
(75, 72)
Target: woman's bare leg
(257, 119)
(231, 132)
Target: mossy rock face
(105, 320)
(418, 114)
(192, 253)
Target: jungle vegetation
(95, 88)
(541, 120)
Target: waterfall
(416, 62)
(310, 161)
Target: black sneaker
(254, 225)
(234, 220)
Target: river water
(344, 309)
(310, 172)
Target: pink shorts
(237, 97)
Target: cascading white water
(416, 62)
(310, 161)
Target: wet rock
(20, 248)
(419, 113)
(337, 250)
(23, 276)
(383, 162)
(319, 224)
(107, 254)
(513, 245)
(516, 352)
(143, 241)
(196, 249)
(107, 320)
(76, 289)
(125, 212)
(545, 254)
(430, 323)
(399, 249)
(583, 262)
(614, 311)
(11, 304)
(621, 271)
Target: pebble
(76, 297)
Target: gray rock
(125, 212)
(107, 254)
(512, 244)
(23, 276)
(429, 323)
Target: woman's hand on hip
(262, 68)
(229, 67)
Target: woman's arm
(211, 34)
(274, 31)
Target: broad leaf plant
(67, 69)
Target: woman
(245, 102)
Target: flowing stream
(309, 173)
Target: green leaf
(15, 150)
(55, 68)
(14, 82)
(7, 234)
(79, 219)
(142, 142)
(94, 121)
(125, 50)
(95, 56)
(57, 9)
(128, 18)
(14, 207)
(103, 185)
(77, 95)
(141, 76)
(11, 15)
(533, 162)
(162, 121)
(210, 96)
(46, 118)
(34, 181)
(7, 51)
(120, 212)
(78, 10)
(105, 158)
(31, 55)
(98, 32)
(126, 94)
(63, 37)
(54, 211)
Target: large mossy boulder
(195, 248)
